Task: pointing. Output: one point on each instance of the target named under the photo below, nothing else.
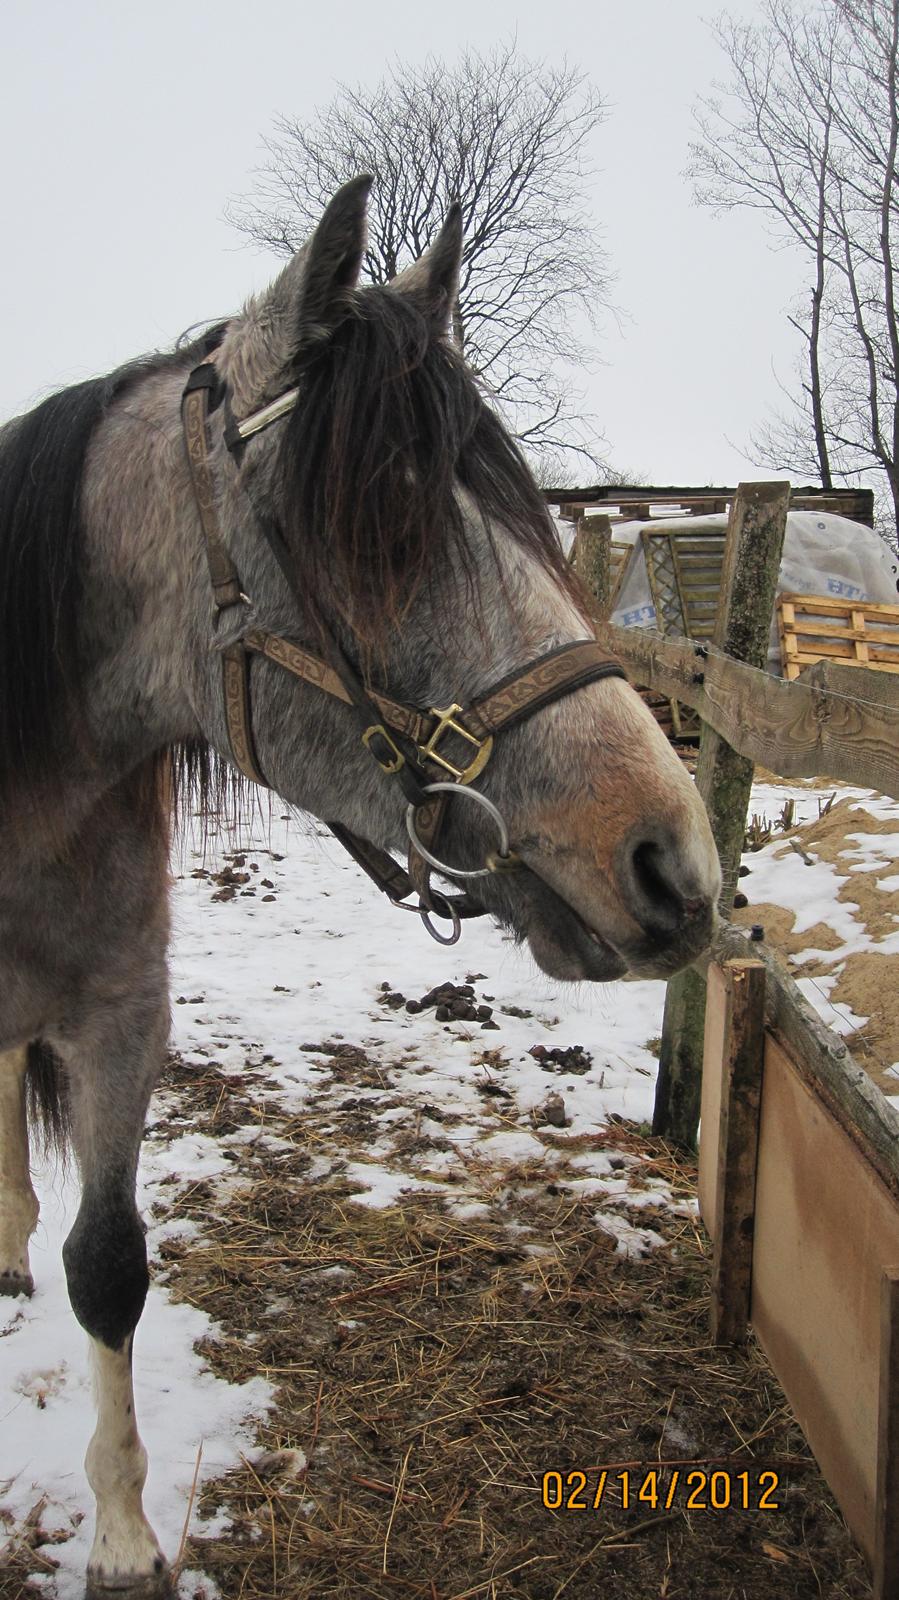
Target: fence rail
(842, 723)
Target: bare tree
(806, 130)
(508, 139)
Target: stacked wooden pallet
(684, 571)
(817, 627)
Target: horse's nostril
(662, 889)
(659, 906)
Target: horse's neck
(146, 602)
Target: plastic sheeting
(823, 554)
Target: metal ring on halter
(463, 793)
(425, 913)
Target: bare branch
(510, 140)
(806, 130)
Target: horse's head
(414, 529)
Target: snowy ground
(282, 954)
(297, 957)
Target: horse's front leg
(125, 1558)
(112, 1066)
(18, 1201)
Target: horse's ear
(433, 280)
(304, 303)
(331, 263)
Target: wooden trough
(799, 1189)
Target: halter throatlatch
(433, 754)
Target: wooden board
(619, 558)
(684, 571)
(626, 501)
(854, 682)
(816, 627)
(795, 729)
(741, 1087)
(886, 1550)
(710, 1115)
(826, 1229)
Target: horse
(302, 551)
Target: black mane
(388, 424)
(42, 457)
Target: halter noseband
(432, 754)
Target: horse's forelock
(388, 427)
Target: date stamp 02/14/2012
(663, 1488)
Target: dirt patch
(868, 981)
(779, 924)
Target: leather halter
(421, 749)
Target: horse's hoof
(157, 1586)
(16, 1283)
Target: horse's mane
(388, 424)
(42, 458)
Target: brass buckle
(398, 757)
(448, 723)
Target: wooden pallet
(619, 559)
(816, 627)
(683, 566)
(684, 571)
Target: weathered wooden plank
(856, 630)
(877, 662)
(828, 605)
(886, 1522)
(752, 554)
(825, 1229)
(798, 730)
(857, 504)
(740, 1075)
(593, 560)
(835, 677)
(870, 1120)
(712, 1068)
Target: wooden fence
(799, 1189)
(836, 722)
(799, 1149)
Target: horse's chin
(566, 947)
(578, 955)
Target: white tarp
(823, 554)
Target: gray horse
(365, 521)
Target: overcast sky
(127, 127)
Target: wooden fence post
(593, 560)
(735, 1141)
(752, 552)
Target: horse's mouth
(565, 946)
(561, 942)
(580, 953)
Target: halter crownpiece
(432, 754)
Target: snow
(279, 984)
(47, 1413)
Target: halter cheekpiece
(432, 754)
